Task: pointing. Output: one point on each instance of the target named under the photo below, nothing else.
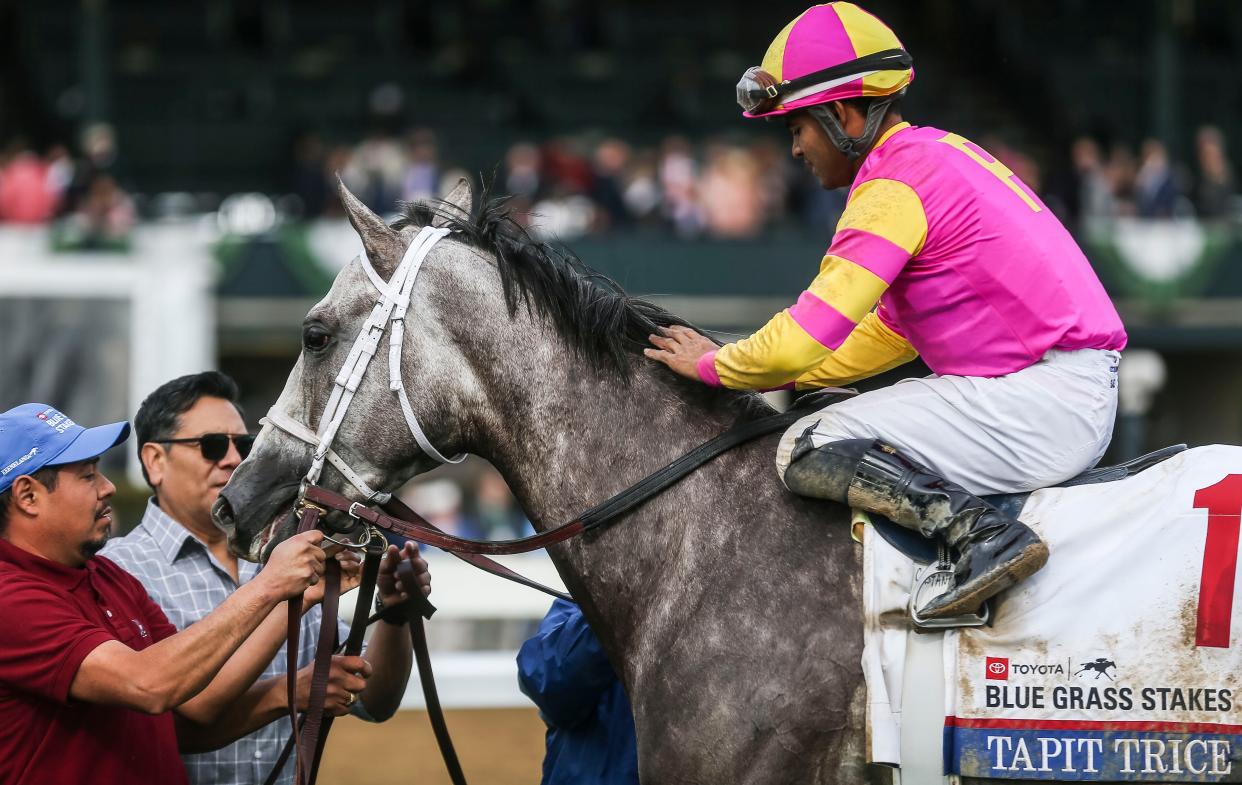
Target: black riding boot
(993, 550)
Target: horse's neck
(587, 439)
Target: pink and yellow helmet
(829, 52)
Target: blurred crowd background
(220, 127)
(574, 185)
(568, 186)
(596, 116)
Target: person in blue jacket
(564, 670)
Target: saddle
(924, 550)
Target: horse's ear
(460, 199)
(384, 246)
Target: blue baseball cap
(35, 435)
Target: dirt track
(496, 747)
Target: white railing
(166, 280)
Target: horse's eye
(315, 338)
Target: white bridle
(392, 306)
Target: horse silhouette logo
(1100, 665)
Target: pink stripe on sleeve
(707, 370)
(821, 321)
(873, 253)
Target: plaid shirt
(187, 582)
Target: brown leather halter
(317, 502)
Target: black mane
(597, 319)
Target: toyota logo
(996, 668)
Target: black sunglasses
(215, 446)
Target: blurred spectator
(496, 511)
(422, 171)
(60, 168)
(563, 215)
(1122, 171)
(1095, 193)
(335, 164)
(610, 161)
(29, 192)
(104, 217)
(774, 179)
(522, 178)
(642, 188)
(1155, 190)
(376, 171)
(99, 158)
(731, 197)
(309, 180)
(678, 177)
(440, 502)
(1216, 192)
(565, 168)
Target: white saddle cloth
(1120, 660)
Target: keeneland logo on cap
(33, 452)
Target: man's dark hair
(159, 416)
(48, 475)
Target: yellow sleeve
(883, 226)
(871, 349)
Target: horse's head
(369, 436)
(500, 332)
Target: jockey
(941, 252)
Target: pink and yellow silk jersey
(970, 269)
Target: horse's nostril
(222, 512)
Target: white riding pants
(1031, 429)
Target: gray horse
(730, 607)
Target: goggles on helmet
(758, 92)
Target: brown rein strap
(307, 742)
(398, 510)
(420, 530)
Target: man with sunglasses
(191, 436)
(942, 252)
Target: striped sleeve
(871, 349)
(883, 226)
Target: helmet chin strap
(853, 147)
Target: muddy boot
(993, 550)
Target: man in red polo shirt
(89, 666)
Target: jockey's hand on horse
(680, 348)
(351, 576)
(402, 573)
